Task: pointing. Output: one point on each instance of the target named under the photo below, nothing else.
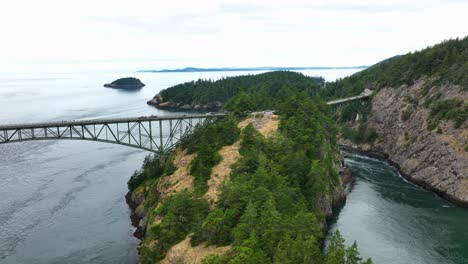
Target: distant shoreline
(193, 69)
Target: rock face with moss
(125, 83)
(420, 136)
(417, 117)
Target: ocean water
(63, 201)
(397, 222)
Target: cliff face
(436, 159)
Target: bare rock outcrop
(160, 103)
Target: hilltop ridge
(266, 68)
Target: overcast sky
(104, 34)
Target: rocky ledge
(138, 214)
(159, 103)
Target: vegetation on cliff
(434, 67)
(269, 210)
(450, 109)
(446, 62)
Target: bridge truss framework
(155, 134)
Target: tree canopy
(263, 88)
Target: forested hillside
(264, 90)
(270, 210)
(446, 62)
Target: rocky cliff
(430, 153)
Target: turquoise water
(395, 221)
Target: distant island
(125, 83)
(193, 69)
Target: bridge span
(364, 95)
(152, 133)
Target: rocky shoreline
(435, 158)
(377, 153)
(137, 217)
(159, 103)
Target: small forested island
(125, 83)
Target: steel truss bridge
(153, 133)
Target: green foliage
(218, 226)
(268, 210)
(221, 133)
(181, 214)
(251, 140)
(264, 210)
(201, 165)
(292, 251)
(151, 169)
(362, 134)
(169, 167)
(446, 62)
(406, 115)
(450, 109)
(306, 122)
(348, 112)
(127, 81)
(338, 254)
(206, 142)
(264, 90)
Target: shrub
(406, 114)
(151, 169)
(181, 214)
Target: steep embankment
(418, 114)
(434, 156)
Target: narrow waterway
(397, 222)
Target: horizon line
(261, 68)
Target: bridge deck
(367, 93)
(104, 121)
(153, 133)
